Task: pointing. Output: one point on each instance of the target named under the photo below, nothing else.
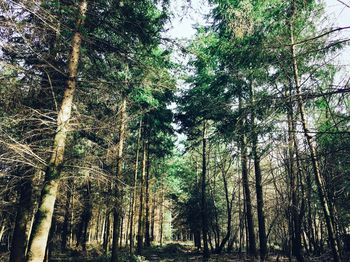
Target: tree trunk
(127, 230)
(23, 220)
(140, 220)
(228, 211)
(134, 191)
(310, 226)
(240, 219)
(121, 230)
(50, 242)
(197, 239)
(82, 236)
(42, 223)
(318, 177)
(295, 223)
(106, 234)
(204, 212)
(147, 203)
(153, 214)
(65, 229)
(258, 182)
(260, 206)
(161, 211)
(118, 187)
(246, 191)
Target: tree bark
(42, 222)
(121, 230)
(82, 236)
(197, 239)
(22, 223)
(258, 182)
(106, 233)
(118, 188)
(296, 249)
(153, 214)
(240, 219)
(139, 237)
(161, 211)
(147, 203)
(228, 211)
(315, 166)
(204, 212)
(134, 191)
(65, 229)
(310, 225)
(246, 191)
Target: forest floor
(172, 252)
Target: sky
(340, 14)
(187, 14)
(339, 11)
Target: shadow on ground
(172, 252)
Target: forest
(121, 140)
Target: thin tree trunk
(228, 211)
(258, 182)
(118, 188)
(147, 203)
(153, 214)
(318, 177)
(310, 227)
(246, 191)
(297, 248)
(240, 219)
(71, 235)
(106, 235)
(295, 223)
(103, 227)
(121, 228)
(42, 223)
(204, 212)
(161, 215)
(134, 191)
(65, 229)
(140, 220)
(127, 233)
(215, 224)
(85, 217)
(2, 228)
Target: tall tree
(119, 175)
(42, 223)
(308, 137)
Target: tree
(42, 223)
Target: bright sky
(339, 12)
(186, 15)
